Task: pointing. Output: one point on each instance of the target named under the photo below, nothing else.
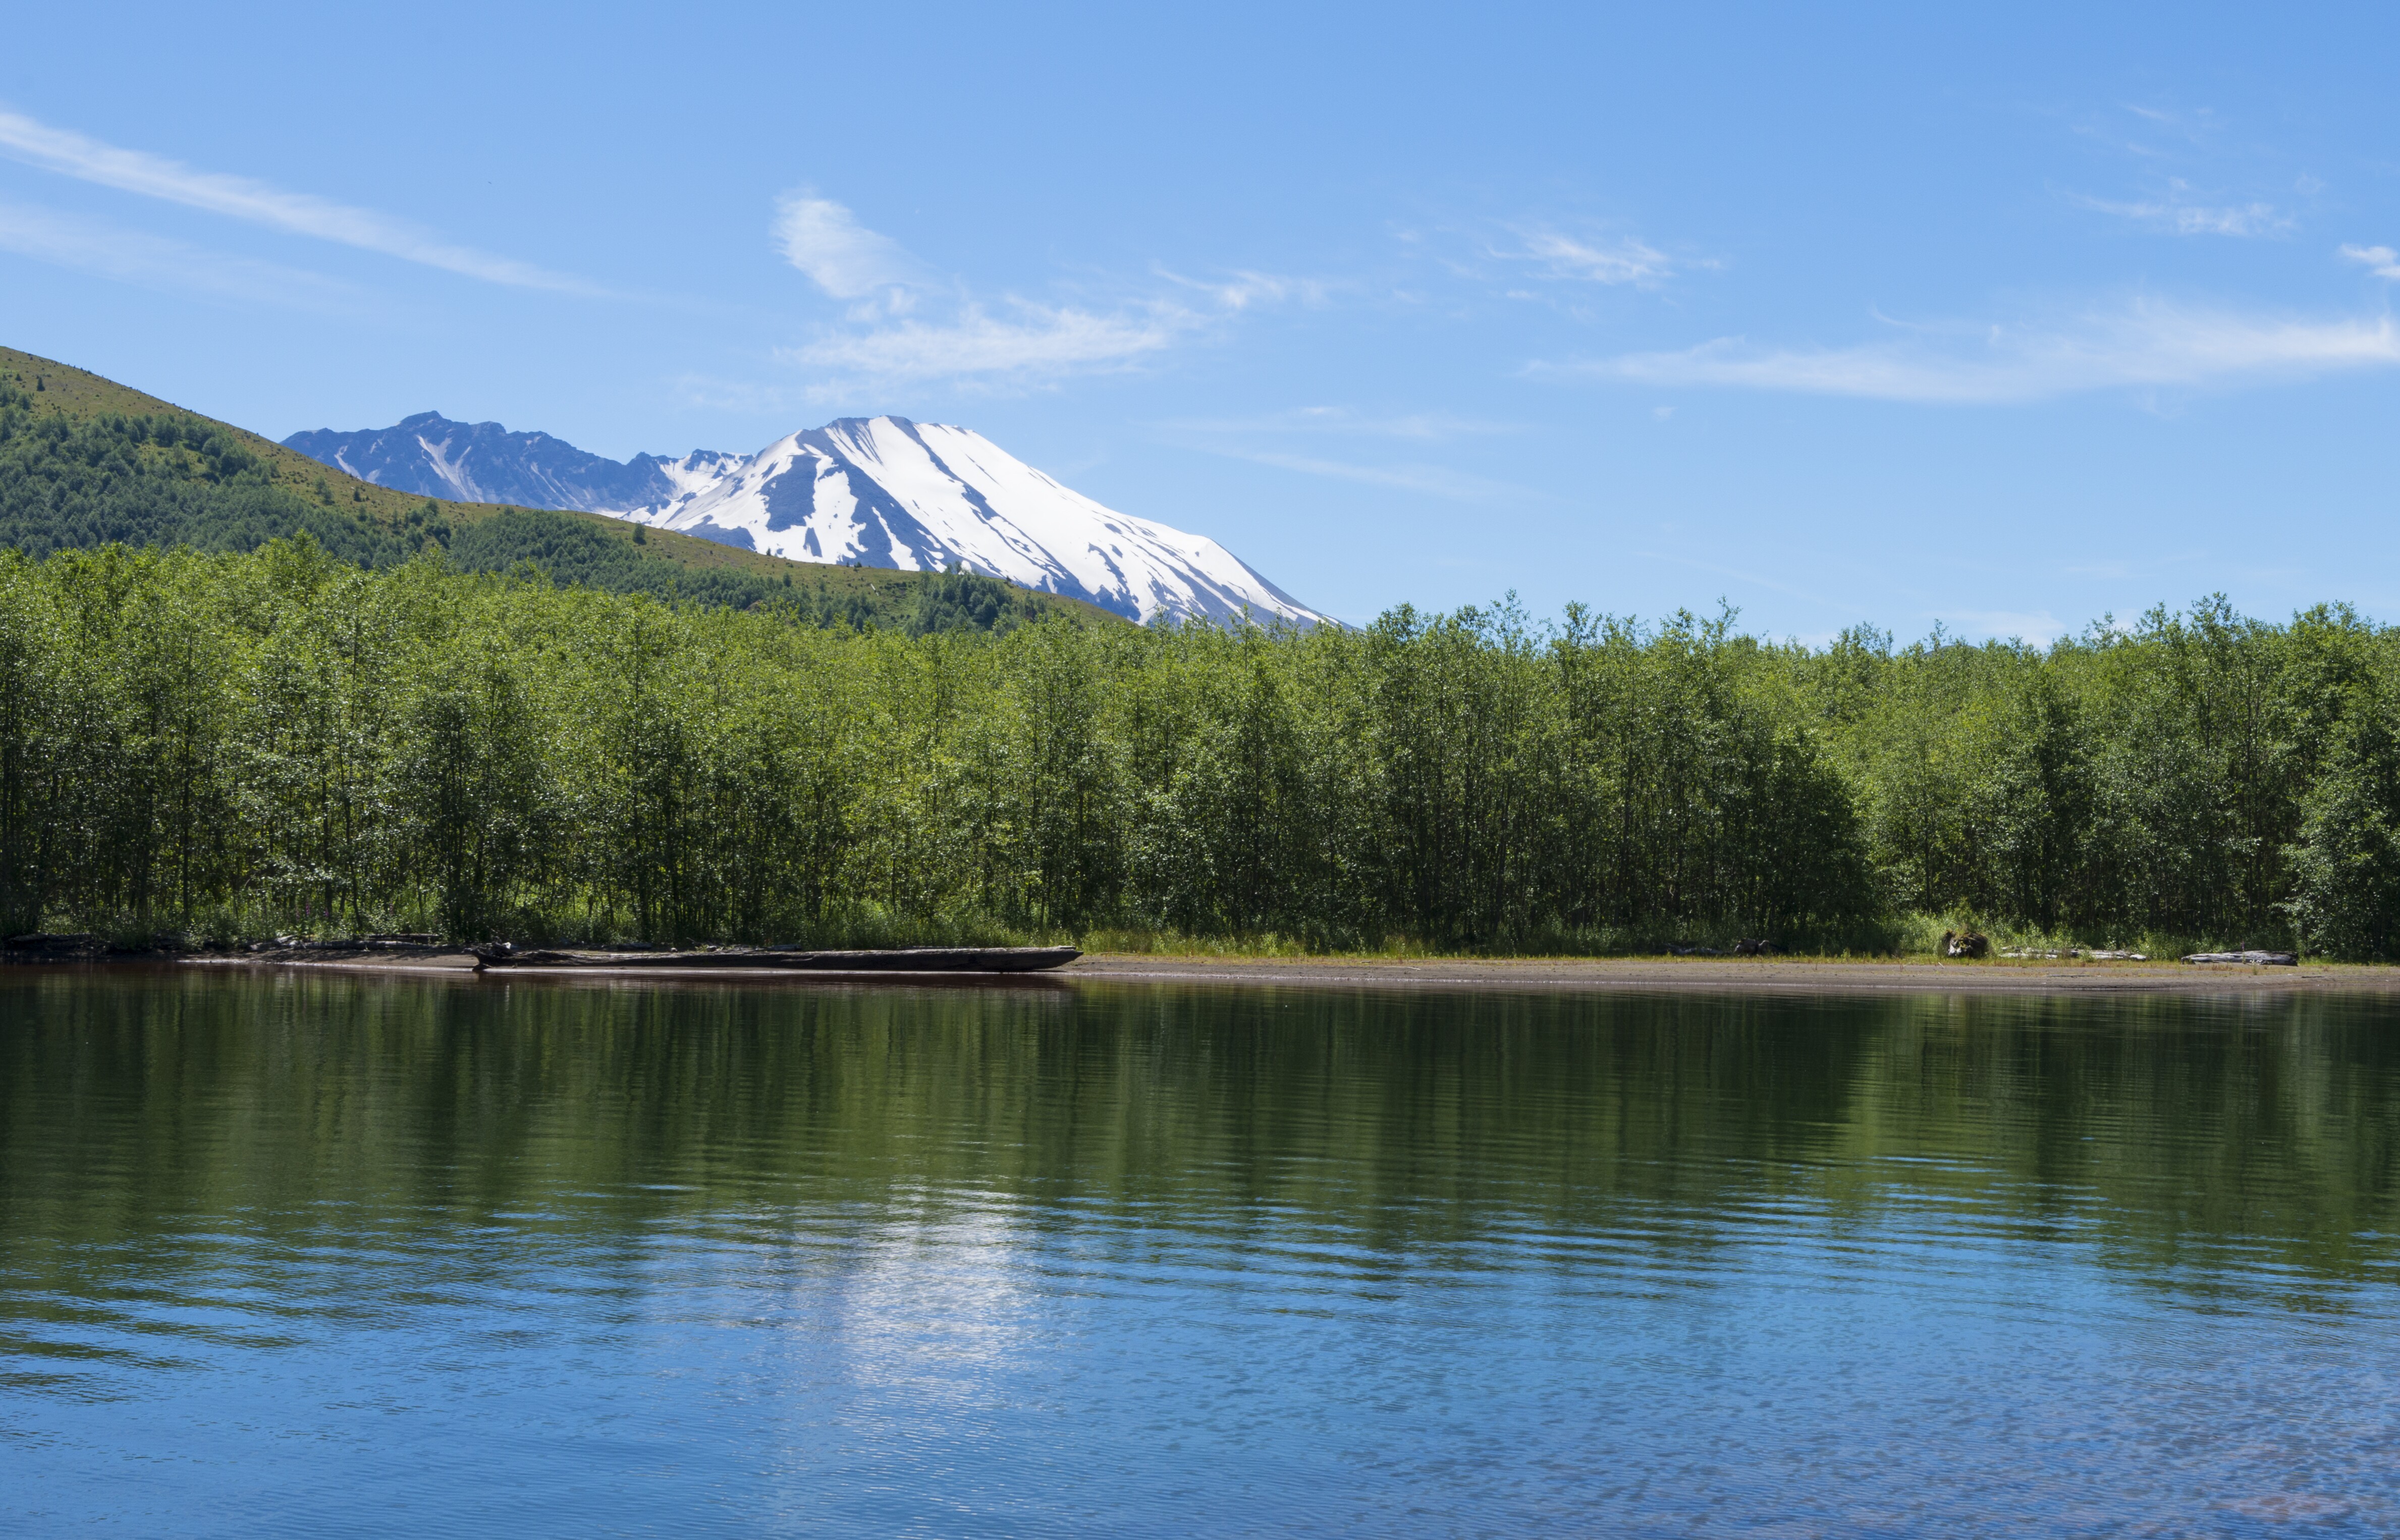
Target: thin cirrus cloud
(1037, 341)
(132, 256)
(1244, 290)
(1424, 427)
(2178, 217)
(1238, 439)
(71, 154)
(1432, 480)
(2149, 344)
(1020, 340)
(1622, 261)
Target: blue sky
(2007, 322)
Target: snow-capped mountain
(923, 497)
(867, 491)
(485, 463)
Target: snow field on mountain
(869, 491)
(918, 496)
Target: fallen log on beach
(910, 959)
(2264, 959)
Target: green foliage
(285, 734)
(571, 551)
(201, 741)
(2192, 778)
(163, 480)
(171, 480)
(2346, 876)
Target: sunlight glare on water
(329, 1255)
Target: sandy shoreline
(1771, 975)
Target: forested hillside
(85, 462)
(230, 744)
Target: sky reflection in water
(325, 1255)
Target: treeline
(231, 745)
(573, 553)
(176, 481)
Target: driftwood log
(2269, 960)
(912, 960)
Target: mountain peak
(881, 491)
(432, 456)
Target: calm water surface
(322, 1255)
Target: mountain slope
(925, 497)
(878, 492)
(485, 463)
(85, 461)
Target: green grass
(216, 487)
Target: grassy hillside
(85, 461)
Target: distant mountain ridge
(483, 462)
(87, 462)
(882, 492)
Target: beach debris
(2069, 953)
(55, 943)
(1966, 944)
(1751, 946)
(2263, 960)
(1694, 951)
(913, 960)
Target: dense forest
(231, 745)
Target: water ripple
(356, 1256)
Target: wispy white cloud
(1243, 289)
(130, 256)
(2382, 261)
(1624, 260)
(2193, 219)
(1037, 342)
(964, 339)
(2180, 216)
(1432, 480)
(841, 256)
(2197, 127)
(2149, 342)
(1424, 427)
(71, 154)
(1744, 575)
(1238, 439)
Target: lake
(326, 1254)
